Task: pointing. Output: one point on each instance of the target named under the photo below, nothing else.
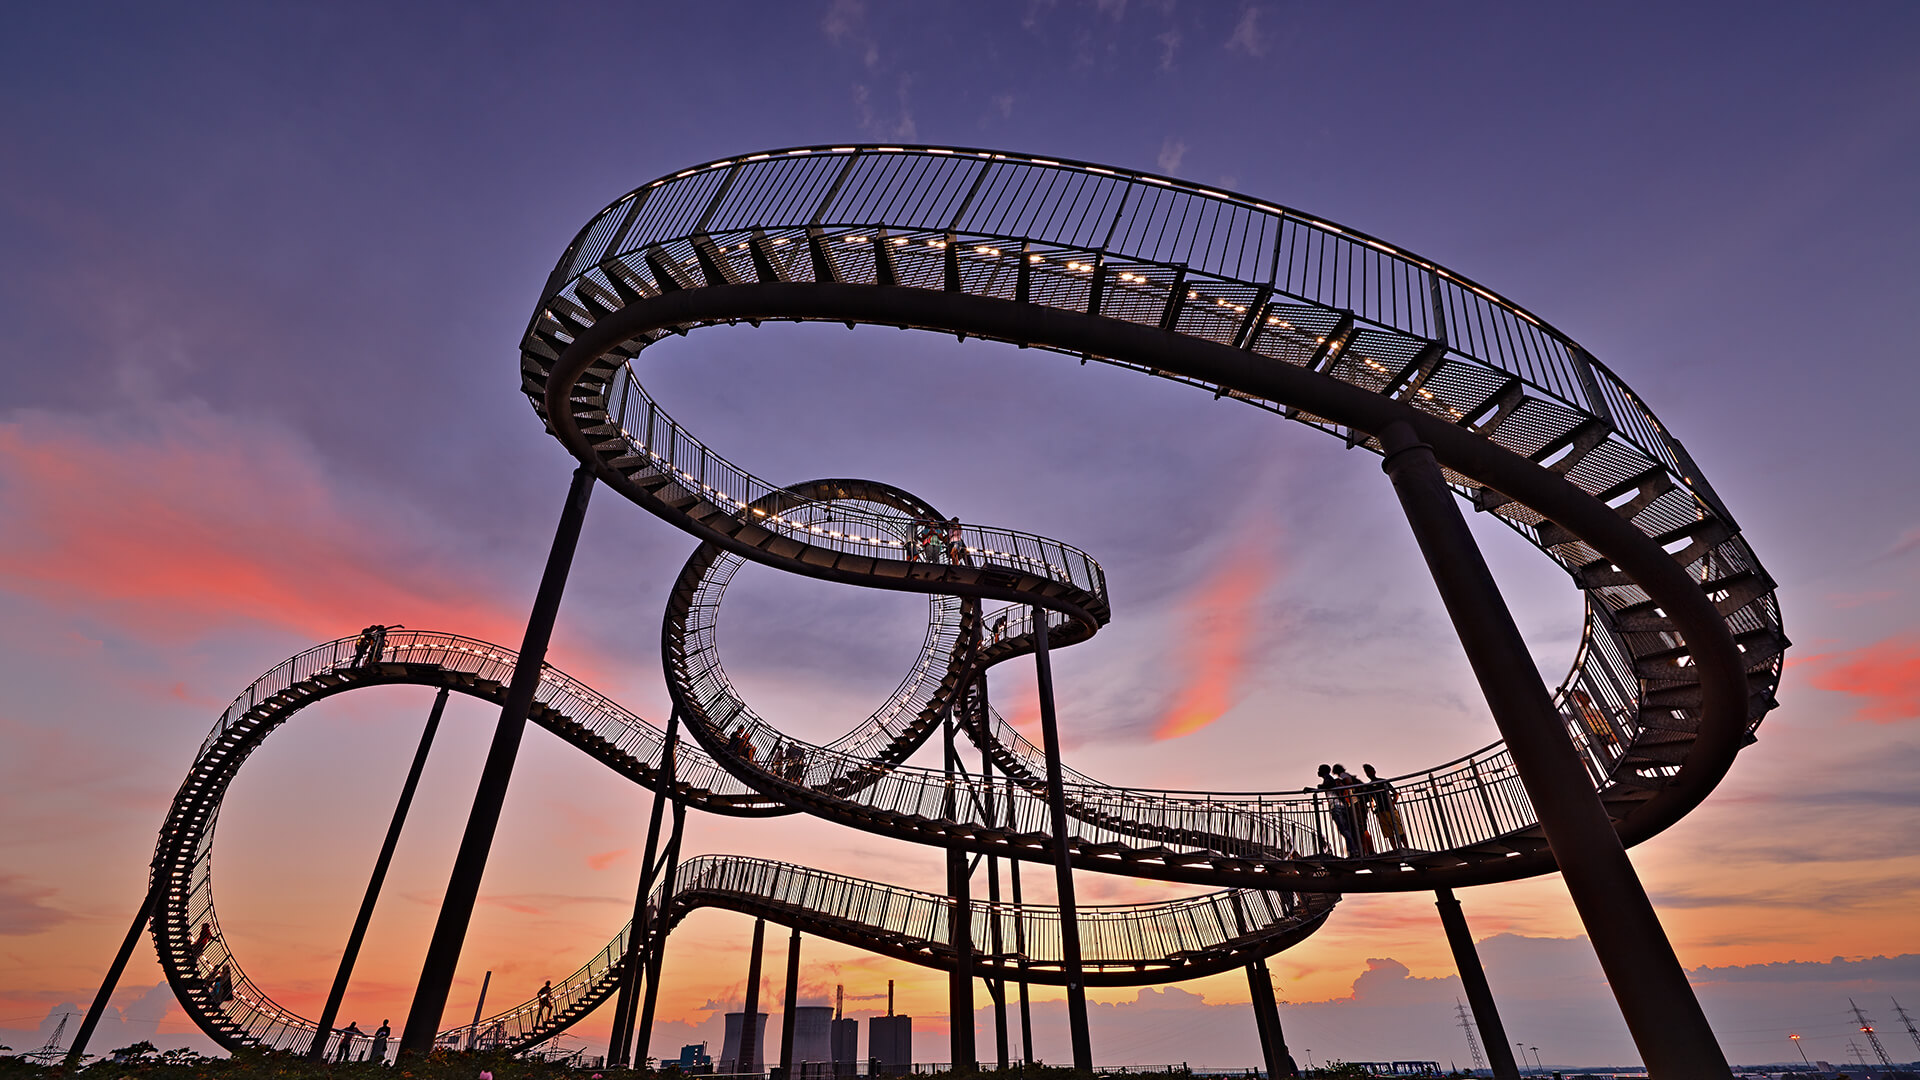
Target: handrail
(1405, 291)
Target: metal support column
(331, 1010)
(997, 988)
(657, 947)
(1266, 1015)
(788, 1008)
(962, 1055)
(750, 1015)
(1020, 949)
(1473, 978)
(1659, 1005)
(463, 887)
(1062, 863)
(114, 970)
(479, 1004)
(626, 1005)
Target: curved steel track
(1126, 945)
(1268, 306)
(1244, 299)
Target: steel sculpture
(1462, 391)
(1464, 394)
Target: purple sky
(264, 273)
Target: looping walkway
(1127, 945)
(1321, 324)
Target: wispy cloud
(1169, 42)
(845, 24)
(1172, 152)
(1909, 540)
(1247, 37)
(188, 521)
(24, 908)
(1885, 675)
(600, 860)
(1219, 622)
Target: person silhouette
(347, 1035)
(380, 1036)
(1339, 809)
(1356, 808)
(363, 645)
(546, 1002)
(1386, 809)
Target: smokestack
(889, 997)
(840, 1001)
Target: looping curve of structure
(1247, 300)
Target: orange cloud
(1218, 623)
(1886, 674)
(206, 522)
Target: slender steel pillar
(1266, 1015)
(463, 888)
(1020, 948)
(1062, 862)
(479, 1003)
(1659, 1005)
(657, 947)
(962, 1054)
(792, 999)
(114, 970)
(331, 1010)
(750, 1018)
(997, 988)
(625, 1006)
(1473, 979)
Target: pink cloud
(603, 859)
(1885, 675)
(188, 522)
(1218, 622)
(208, 522)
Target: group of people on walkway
(343, 1051)
(1351, 801)
(934, 536)
(371, 644)
(788, 760)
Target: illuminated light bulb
(1241, 308)
(780, 240)
(1035, 259)
(898, 240)
(1191, 295)
(856, 239)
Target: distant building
(693, 1060)
(846, 1047)
(812, 1040)
(890, 1044)
(730, 1049)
